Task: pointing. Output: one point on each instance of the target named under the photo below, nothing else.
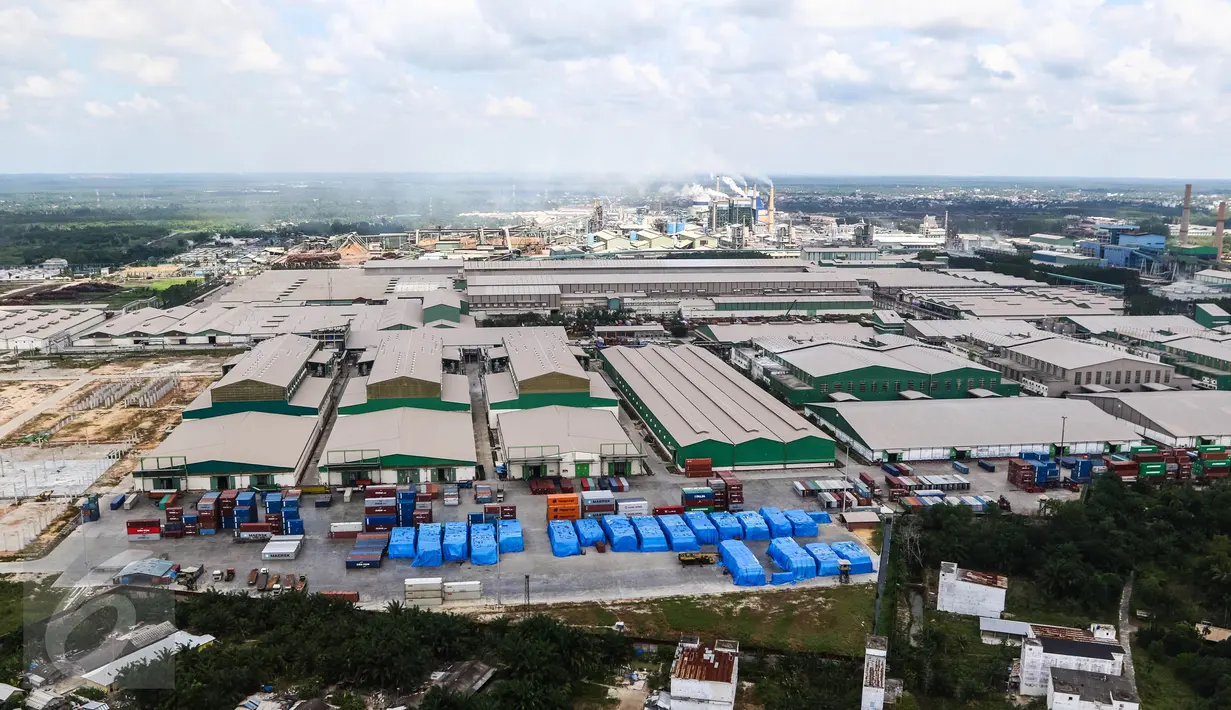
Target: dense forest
(1074, 561)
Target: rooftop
(706, 664)
(1183, 413)
(273, 440)
(322, 285)
(797, 332)
(1071, 354)
(404, 431)
(1099, 688)
(412, 354)
(534, 353)
(570, 429)
(107, 675)
(1082, 649)
(277, 361)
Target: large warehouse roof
(277, 361)
(696, 396)
(256, 438)
(1181, 414)
(568, 428)
(301, 285)
(412, 354)
(936, 423)
(798, 332)
(1071, 354)
(832, 358)
(1164, 324)
(534, 353)
(419, 433)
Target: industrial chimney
(1188, 208)
(771, 210)
(1222, 216)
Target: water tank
(671, 227)
(632, 235)
(590, 239)
(679, 227)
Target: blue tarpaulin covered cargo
(801, 523)
(701, 526)
(563, 538)
(589, 531)
(402, 543)
(779, 526)
(826, 560)
(861, 562)
(650, 537)
(620, 534)
(820, 517)
(790, 557)
(727, 525)
(427, 552)
(755, 527)
(781, 577)
(679, 535)
(483, 550)
(454, 546)
(511, 539)
(743, 565)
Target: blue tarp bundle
(743, 565)
(511, 539)
(861, 562)
(701, 526)
(428, 553)
(802, 524)
(781, 577)
(820, 516)
(679, 535)
(402, 543)
(483, 549)
(755, 527)
(620, 534)
(826, 560)
(779, 526)
(727, 525)
(792, 558)
(650, 537)
(454, 546)
(563, 538)
(589, 531)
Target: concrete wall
(958, 597)
(701, 695)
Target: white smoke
(734, 186)
(765, 179)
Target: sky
(1119, 88)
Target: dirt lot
(20, 526)
(17, 397)
(162, 365)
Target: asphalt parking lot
(104, 548)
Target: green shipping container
(1152, 469)
(1219, 463)
(1145, 449)
(1212, 447)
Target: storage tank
(671, 227)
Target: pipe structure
(1218, 228)
(1188, 208)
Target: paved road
(478, 415)
(1126, 630)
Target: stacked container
(1123, 468)
(174, 527)
(380, 509)
(208, 516)
(144, 530)
(402, 544)
(406, 506)
(563, 506)
(450, 496)
(245, 510)
(632, 506)
(89, 508)
(226, 508)
(192, 524)
(345, 530)
(698, 468)
(595, 504)
(462, 591)
(1211, 462)
(735, 491)
(273, 523)
(701, 499)
(368, 551)
(424, 591)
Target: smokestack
(1188, 208)
(714, 205)
(771, 210)
(1222, 217)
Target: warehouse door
(535, 470)
(444, 475)
(261, 480)
(617, 468)
(408, 475)
(221, 483)
(583, 470)
(166, 484)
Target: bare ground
(17, 397)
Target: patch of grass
(1024, 602)
(824, 620)
(1157, 685)
(164, 284)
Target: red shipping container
(508, 512)
(422, 516)
(344, 596)
(380, 510)
(669, 510)
(380, 492)
(344, 535)
(144, 527)
(254, 527)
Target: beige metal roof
(412, 354)
(1071, 354)
(277, 361)
(831, 358)
(799, 332)
(405, 313)
(500, 387)
(405, 431)
(300, 285)
(533, 353)
(571, 429)
(43, 322)
(994, 421)
(256, 438)
(698, 397)
(639, 265)
(1184, 413)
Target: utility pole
(1064, 420)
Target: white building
(572, 442)
(26, 329)
(704, 678)
(1078, 690)
(874, 667)
(1041, 655)
(963, 591)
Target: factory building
(405, 369)
(1041, 656)
(106, 678)
(1056, 366)
(278, 376)
(402, 445)
(1175, 419)
(251, 449)
(697, 406)
(931, 430)
(802, 373)
(1083, 690)
(40, 329)
(1206, 361)
(840, 256)
(704, 678)
(331, 287)
(570, 442)
(535, 368)
(1210, 315)
(996, 302)
(963, 591)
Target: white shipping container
(423, 594)
(145, 537)
(356, 527)
(425, 602)
(463, 597)
(597, 496)
(463, 587)
(283, 547)
(131, 500)
(424, 582)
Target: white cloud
(1000, 63)
(509, 107)
(833, 66)
(327, 64)
(255, 55)
(4, 105)
(139, 104)
(142, 67)
(64, 83)
(98, 109)
(1137, 74)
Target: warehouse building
(814, 373)
(1176, 419)
(1042, 656)
(567, 441)
(727, 307)
(1207, 362)
(276, 376)
(1056, 366)
(405, 369)
(697, 406)
(331, 287)
(963, 591)
(251, 449)
(402, 445)
(39, 329)
(704, 678)
(538, 369)
(107, 677)
(1083, 690)
(742, 334)
(931, 430)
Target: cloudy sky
(949, 87)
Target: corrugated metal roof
(277, 361)
(1184, 413)
(1071, 354)
(569, 428)
(700, 663)
(533, 353)
(107, 675)
(405, 431)
(413, 354)
(258, 438)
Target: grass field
(828, 620)
(164, 284)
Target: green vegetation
(798, 681)
(1069, 566)
(105, 244)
